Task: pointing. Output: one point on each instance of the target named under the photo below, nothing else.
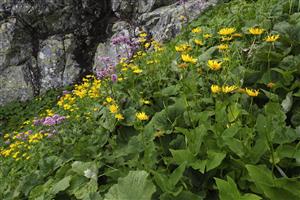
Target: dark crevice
(87, 44)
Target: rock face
(47, 44)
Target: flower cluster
(50, 121)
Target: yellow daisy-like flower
(215, 89)
(143, 35)
(189, 59)
(146, 102)
(113, 108)
(222, 47)
(197, 30)
(207, 35)
(227, 89)
(226, 31)
(226, 39)
(183, 47)
(198, 42)
(147, 45)
(109, 99)
(256, 31)
(251, 92)
(142, 116)
(119, 116)
(137, 71)
(272, 38)
(214, 65)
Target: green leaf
(61, 185)
(87, 169)
(233, 112)
(134, 186)
(177, 174)
(214, 159)
(271, 187)
(87, 190)
(229, 191)
(182, 155)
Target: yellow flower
(227, 89)
(272, 38)
(113, 108)
(142, 40)
(215, 89)
(143, 35)
(256, 31)
(182, 18)
(146, 102)
(119, 116)
(189, 59)
(183, 47)
(223, 47)
(109, 99)
(197, 30)
(214, 65)
(252, 93)
(147, 45)
(226, 39)
(142, 116)
(198, 42)
(137, 71)
(226, 31)
(207, 35)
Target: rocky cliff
(48, 44)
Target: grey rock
(57, 67)
(164, 22)
(14, 85)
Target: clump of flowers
(50, 121)
(183, 48)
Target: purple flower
(114, 78)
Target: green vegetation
(212, 114)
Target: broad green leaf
(182, 155)
(184, 195)
(87, 190)
(271, 187)
(87, 169)
(229, 191)
(214, 159)
(62, 185)
(177, 174)
(134, 186)
(233, 111)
